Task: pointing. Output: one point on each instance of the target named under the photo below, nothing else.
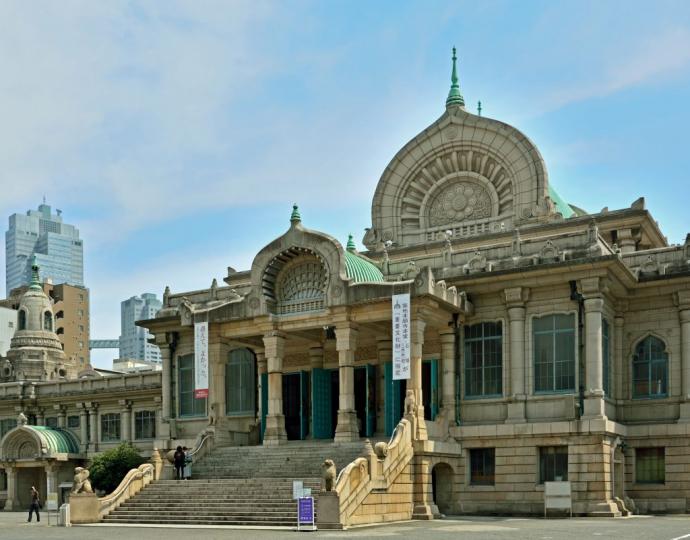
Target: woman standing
(178, 461)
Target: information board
(200, 360)
(400, 305)
(305, 512)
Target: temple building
(547, 344)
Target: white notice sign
(401, 336)
(201, 360)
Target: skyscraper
(59, 251)
(133, 340)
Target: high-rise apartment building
(8, 325)
(134, 339)
(71, 309)
(58, 249)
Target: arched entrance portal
(442, 487)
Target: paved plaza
(14, 526)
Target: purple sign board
(305, 510)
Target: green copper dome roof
(358, 268)
(561, 206)
(58, 441)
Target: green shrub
(108, 469)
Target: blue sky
(177, 135)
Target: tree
(108, 469)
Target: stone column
(683, 302)
(424, 507)
(346, 345)
(415, 383)
(594, 372)
(260, 370)
(61, 415)
(166, 364)
(274, 346)
(83, 427)
(40, 417)
(94, 438)
(125, 420)
(217, 356)
(12, 502)
(384, 353)
(316, 362)
(448, 377)
(626, 241)
(515, 303)
(51, 469)
(620, 378)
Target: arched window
(240, 383)
(48, 321)
(21, 320)
(650, 369)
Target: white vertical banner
(401, 336)
(201, 360)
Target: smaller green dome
(561, 206)
(361, 270)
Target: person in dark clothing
(178, 461)
(35, 505)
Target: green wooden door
(322, 427)
(434, 401)
(304, 404)
(264, 402)
(394, 401)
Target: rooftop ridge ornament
(454, 96)
(479, 108)
(295, 217)
(350, 243)
(35, 279)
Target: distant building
(71, 308)
(8, 325)
(56, 245)
(133, 340)
(127, 365)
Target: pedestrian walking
(178, 461)
(35, 505)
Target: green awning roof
(361, 270)
(57, 440)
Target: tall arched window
(240, 383)
(48, 321)
(21, 320)
(650, 369)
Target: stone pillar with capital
(515, 299)
(83, 426)
(274, 347)
(95, 427)
(346, 345)
(682, 299)
(260, 370)
(12, 501)
(61, 416)
(166, 347)
(40, 417)
(125, 420)
(448, 374)
(418, 325)
(51, 469)
(594, 372)
(620, 378)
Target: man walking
(35, 505)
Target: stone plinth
(328, 514)
(84, 508)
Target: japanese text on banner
(401, 336)
(201, 360)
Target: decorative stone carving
(549, 251)
(459, 202)
(81, 484)
(21, 419)
(410, 403)
(328, 473)
(381, 450)
(477, 263)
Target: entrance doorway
(430, 399)
(296, 404)
(365, 399)
(324, 402)
(442, 487)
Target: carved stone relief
(459, 202)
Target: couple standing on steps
(183, 463)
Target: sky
(177, 135)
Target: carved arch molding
(454, 187)
(294, 281)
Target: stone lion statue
(328, 474)
(410, 403)
(81, 484)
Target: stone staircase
(237, 486)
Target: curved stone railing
(356, 481)
(133, 482)
(202, 445)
